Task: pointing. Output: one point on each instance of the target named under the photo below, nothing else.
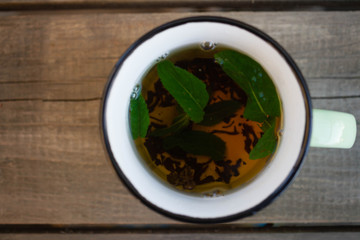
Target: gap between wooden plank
(51, 100)
(173, 229)
(185, 5)
(336, 97)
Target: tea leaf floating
(252, 78)
(216, 112)
(180, 122)
(139, 117)
(263, 103)
(189, 91)
(198, 143)
(266, 144)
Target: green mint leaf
(139, 117)
(262, 100)
(266, 144)
(198, 143)
(179, 123)
(216, 112)
(189, 91)
(268, 123)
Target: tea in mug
(205, 119)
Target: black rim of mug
(283, 53)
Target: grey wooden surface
(171, 5)
(184, 236)
(53, 166)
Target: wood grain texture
(185, 236)
(181, 5)
(60, 55)
(53, 166)
(167, 2)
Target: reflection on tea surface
(174, 145)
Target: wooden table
(55, 177)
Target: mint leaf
(266, 145)
(179, 123)
(139, 117)
(216, 112)
(198, 143)
(268, 123)
(262, 105)
(189, 91)
(262, 100)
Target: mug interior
(269, 182)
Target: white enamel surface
(116, 115)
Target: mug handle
(333, 129)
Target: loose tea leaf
(198, 143)
(266, 145)
(179, 123)
(189, 91)
(176, 151)
(252, 78)
(216, 112)
(139, 117)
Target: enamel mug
(303, 127)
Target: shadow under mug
(328, 128)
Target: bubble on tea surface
(136, 91)
(207, 46)
(215, 193)
(162, 57)
(281, 132)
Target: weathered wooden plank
(53, 164)
(53, 167)
(163, 1)
(185, 236)
(56, 57)
(158, 5)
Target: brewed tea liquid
(192, 173)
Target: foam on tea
(209, 152)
